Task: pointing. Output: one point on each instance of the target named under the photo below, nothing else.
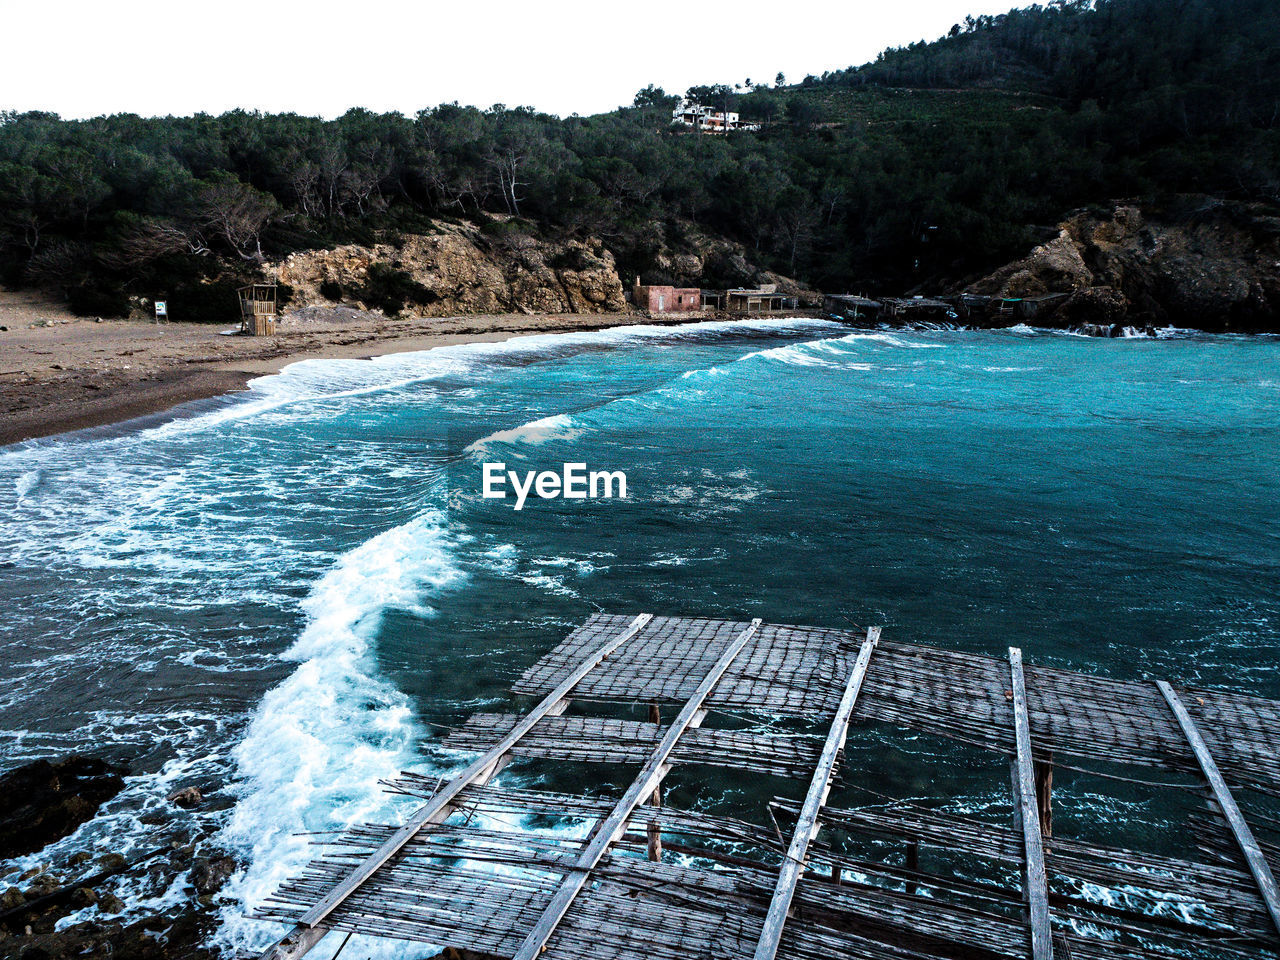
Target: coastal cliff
(459, 270)
(1207, 264)
(498, 268)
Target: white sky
(82, 59)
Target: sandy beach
(59, 372)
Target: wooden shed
(850, 308)
(258, 309)
(765, 299)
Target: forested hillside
(935, 161)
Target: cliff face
(1214, 267)
(461, 270)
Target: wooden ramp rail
(309, 932)
(1035, 879)
(807, 824)
(1249, 848)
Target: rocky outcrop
(1206, 264)
(72, 906)
(43, 802)
(36, 921)
(1054, 267)
(463, 269)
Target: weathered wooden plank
(1035, 879)
(589, 739)
(608, 830)
(441, 805)
(654, 845)
(807, 822)
(1249, 848)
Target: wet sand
(60, 373)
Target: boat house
(657, 298)
(763, 299)
(845, 306)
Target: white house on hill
(696, 116)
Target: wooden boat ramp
(614, 873)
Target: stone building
(665, 299)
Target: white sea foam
(319, 743)
(321, 380)
(841, 353)
(26, 482)
(891, 340)
(796, 355)
(558, 427)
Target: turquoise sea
(296, 590)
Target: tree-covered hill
(935, 161)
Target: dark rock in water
(109, 903)
(112, 861)
(41, 886)
(188, 798)
(1102, 308)
(182, 854)
(178, 931)
(43, 802)
(158, 938)
(84, 897)
(209, 876)
(1101, 330)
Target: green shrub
(499, 229)
(98, 298)
(213, 302)
(570, 258)
(331, 290)
(388, 289)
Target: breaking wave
(320, 742)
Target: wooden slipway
(616, 874)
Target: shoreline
(90, 384)
(110, 373)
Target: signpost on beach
(162, 311)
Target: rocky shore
(1197, 263)
(73, 906)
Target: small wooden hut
(258, 309)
